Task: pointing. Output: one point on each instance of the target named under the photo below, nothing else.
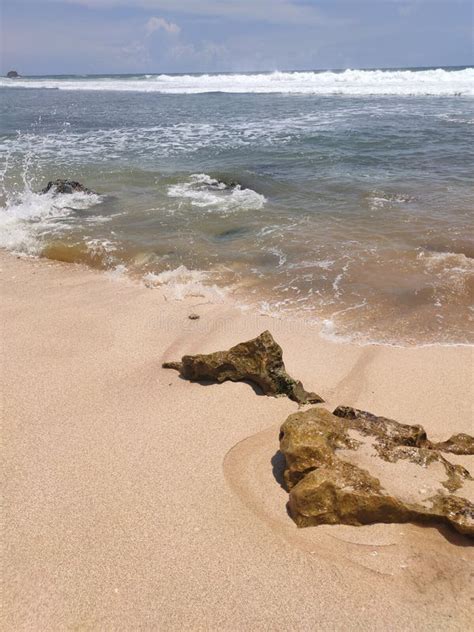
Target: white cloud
(155, 24)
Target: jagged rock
(356, 470)
(457, 444)
(382, 428)
(259, 361)
(308, 445)
(65, 186)
(12, 74)
(394, 432)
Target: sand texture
(136, 500)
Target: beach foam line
(181, 283)
(436, 82)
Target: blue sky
(105, 36)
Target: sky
(143, 36)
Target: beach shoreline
(137, 500)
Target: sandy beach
(135, 500)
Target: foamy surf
(353, 213)
(205, 192)
(182, 283)
(28, 216)
(437, 82)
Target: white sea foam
(380, 199)
(181, 283)
(151, 141)
(205, 192)
(118, 273)
(353, 82)
(28, 215)
(452, 271)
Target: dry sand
(134, 500)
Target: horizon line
(235, 72)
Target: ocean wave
(152, 141)
(438, 82)
(206, 192)
(28, 216)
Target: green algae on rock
(339, 472)
(259, 361)
(387, 430)
(457, 444)
(383, 429)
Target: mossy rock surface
(355, 468)
(259, 361)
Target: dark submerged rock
(65, 186)
(232, 233)
(259, 361)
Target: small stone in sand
(194, 316)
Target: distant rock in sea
(65, 186)
(12, 74)
(355, 468)
(259, 361)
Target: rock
(307, 445)
(339, 472)
(228, 182)
(394, 432)
(12, 74)
(232, 233)
(382, 428)
(194, 316)
(457, 444)
(65, 186)
(259, 361)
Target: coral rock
(457, 444)
(358, 469)
(382, 428)
(259, 361)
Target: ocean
(342, 198)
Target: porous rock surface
(389, 430)
(259, 361)
(355, 468)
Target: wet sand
(134, 500)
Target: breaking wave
(208, 193)
(437, 82)
(28, 216)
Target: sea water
(344, 198)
